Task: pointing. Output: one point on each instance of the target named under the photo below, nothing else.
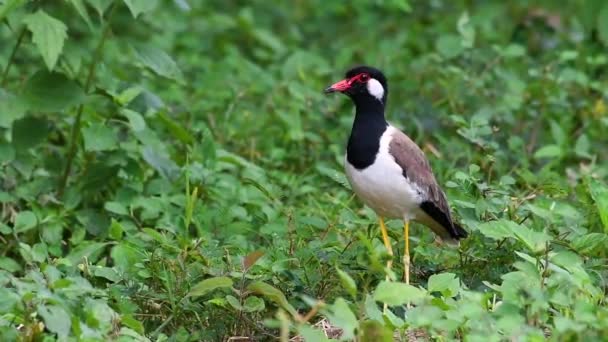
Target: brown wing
(417, 170)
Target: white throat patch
(375, 88)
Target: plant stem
(74, 136)
(12, 56)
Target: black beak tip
(329, 90)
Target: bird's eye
(364, 77)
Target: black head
(362, 84)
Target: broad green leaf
(599, 193)
(10, 265)
(116, 208)
(374, 331)
(160, 162)
(602, 24)
(136, 120)
(179, 131)
(273, 294)
(85, 250)
(446, 283)
(100, 5)
(29, 132)
(82, 12)
(158, 61)
(548, 151)
(205, 286)
(582, 146)
(234, 303)
(51, 92)
(125, 256)
(133, 323)
(126, 96)
(535, 241)
(48, 34)
(394, 293)
(140, 6)
(347, 282)
(56, 319)
(253, 304)
(497, 230)
(342, 317)
(99, 137)
(11, 108)
(590, 243)
(25, 221)
(403, 5)
(311, 334)
(449, 45)
(466, 30)
(7, 6)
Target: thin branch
(87, 86)
(11, 59)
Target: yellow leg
(389, 249)
(387, 244)
(406, 253)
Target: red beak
(339, 86)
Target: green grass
(174, 173)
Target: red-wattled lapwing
(386, 169)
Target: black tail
(460, 232)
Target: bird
(387, 170)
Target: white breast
(382, 185)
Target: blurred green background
(171, 171)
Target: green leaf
(10, 265)
(56, 319)
(125, 256)
(99, 137)
(449, 46)
(582, 146)
(11, 108)
(403, 5)
(466, 30)
(599, 193)
(136, 121)
(205, 286)
(253, 304)
(602, 24)
(29, 132)
(273, 294)
(140, 6)
(446, 283)
(25, 221)
(160, 162)
(548, 151)
(82, 12)
(498, 229)
(51, 92)
(394, 293)
(533, 240)
(347, 282)
(311, 334)
(116, 208)
(158, 61)
(48, 34)
(374, 331)
(7, 6)
(590, 243)
(100, 5)
(85, 250)
(133, 323)
(342, 317)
